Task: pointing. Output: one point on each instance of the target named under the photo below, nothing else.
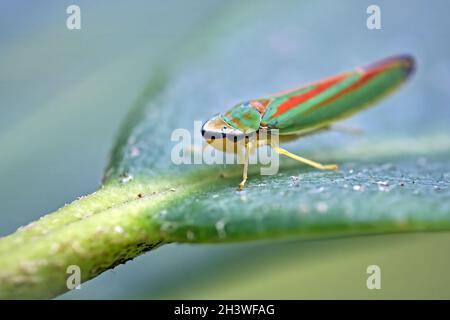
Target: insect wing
(318, 104)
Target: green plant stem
(35, 266)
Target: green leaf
(387, 183)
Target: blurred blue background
(63, 95)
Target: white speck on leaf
(126, 178)
(261, 185)
(118, 229)
(135, 152)
(383, 186)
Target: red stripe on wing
(369, 73)
(296, 100)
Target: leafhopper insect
(304, 110)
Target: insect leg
(304, 160)
(246, 159)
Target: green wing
(318, 104)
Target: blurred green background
(63, 95)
